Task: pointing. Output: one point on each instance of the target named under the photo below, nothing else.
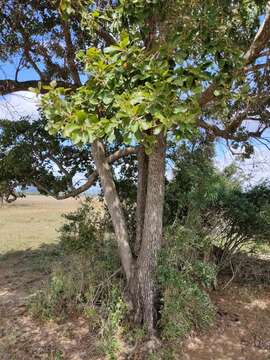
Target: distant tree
(9, 192)
(29, 155)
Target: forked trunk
(114, 206)
(140, 275)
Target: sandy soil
(242, 330)
(22, 337)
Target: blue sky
(25, 103)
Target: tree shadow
(22, 337)
(248, 268)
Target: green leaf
(124, 37)
(157, 130)
(69, 129)
(112, 49)
(53, 84)
(95, 13)
(81, 115)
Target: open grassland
(32, 221)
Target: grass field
(32, 221)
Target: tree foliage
(216, 205)
(30, 156)
(136, 91)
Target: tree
(147, 84)
(9, 192)
(29, 155)
(150, 84)
(217, 206)
(34, 35)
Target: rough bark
(114, 207)
(141, 196)
(152, 233)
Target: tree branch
(92, 178)
(261, 38)
(70, 53)
(8, 86)
(260, 41)
(106, 36)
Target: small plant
(111, 328)
(183, 279)
(86, 227)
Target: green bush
(86, 272)
(111, 327)
(85, 228)
(88, 280)
(82, 287)
(184, 279)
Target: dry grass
(32, 221)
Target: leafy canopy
(161, 58)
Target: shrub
(88, 280)
(111, 329)
(88, 269)
(86, 227)
(80, 282)
(184, 278)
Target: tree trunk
(140, 276)
(114, 206)
(141, 197)
(152, 233)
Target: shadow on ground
(241, 331)
(22, 337)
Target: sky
(25, 103)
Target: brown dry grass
(32, 221)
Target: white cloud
(16, 105)
(257, 168)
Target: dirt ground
(241, 331)
(21, 337)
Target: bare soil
(24, 338)
(241, 332)
(242, 329)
